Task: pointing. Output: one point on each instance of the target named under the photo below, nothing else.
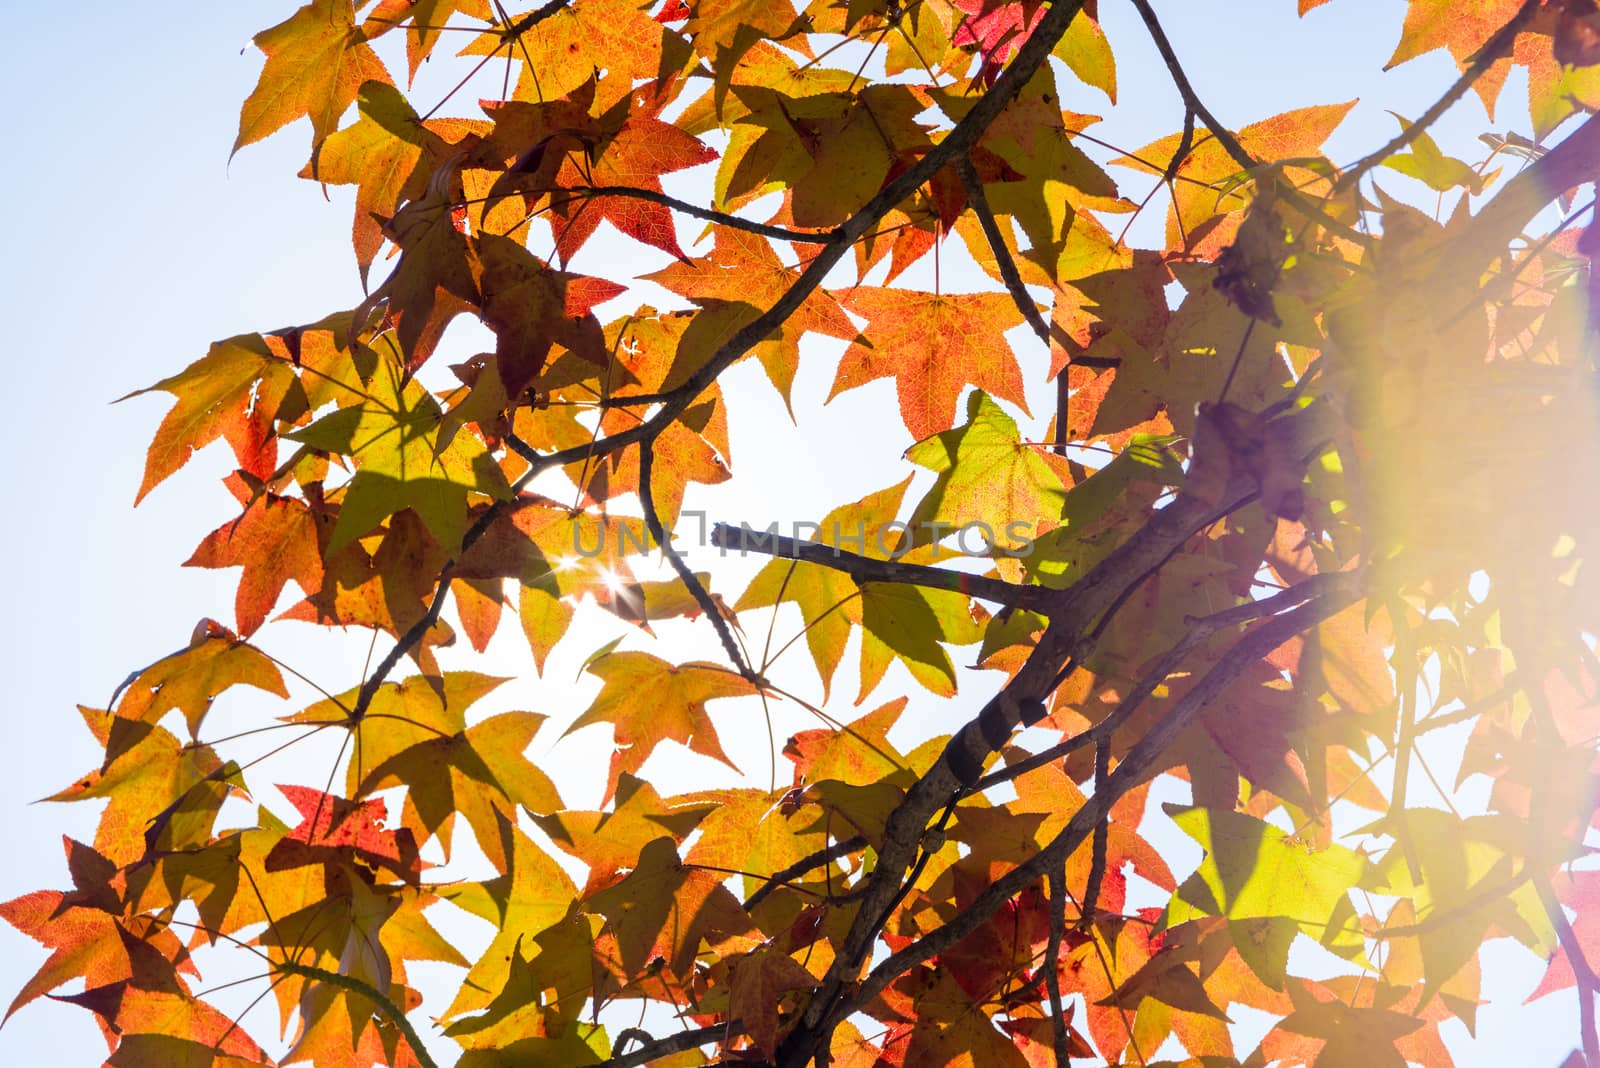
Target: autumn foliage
(1307, 497)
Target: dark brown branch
(691, 582)
(1002, 253)
(1495, 47)
(662, 1047)
(1140, 761)
(828, 855)
(1198, 631)
(1059, 1038)
(708, 214)
(869, 569)
(532, 19)
(1102, 832)
(1191, 99)
(1021, 701)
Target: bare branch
(1191, 99)
(1199, 630)
(1052, 966)
(662, 1047)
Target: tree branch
(1128, 774)
(827, 855)
(652, 522)
(1582, 971)
(1191, 99)
(662, 1047)
(1495, 47)
(1199, 630)
(1019, 702)
(733, 222)
(870, 569)
(1002, 253)
(1060, 1039)
(384, 1004)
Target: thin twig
(827, 855)
(1191, 99)
(691, 581)
(1059, 1036)
(734, 222)
(1102, 832)
(1495, 47)
(1002, 253)
(372, 994)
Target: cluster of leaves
(1326, 479)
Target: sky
(142, 243)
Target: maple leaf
(531, 307)
(609, 842)
(759, 981)
(1196, 203)
(950, 1025)
(385, 589)
(234, 391)
(190, 680)
(317, 59)
(648, 701)
(161, 793)
(427, 19)
(833, 151)
(532, 895)
(389, 155)
(333, 828)
(415, 734)
(988, 478)
(402, 461)
(1253, 870)
(934, 345)
(276, 539)
(859, 756)
(635, 156)
(663, 909)
(909, 624)
(1351, 1037)
(829, 600)
(132, 1013)
(741, 269)
(87, 937)
(1460, 28)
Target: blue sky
(133, 243)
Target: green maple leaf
(402, 462)
(1254, 870)
(988, 476)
